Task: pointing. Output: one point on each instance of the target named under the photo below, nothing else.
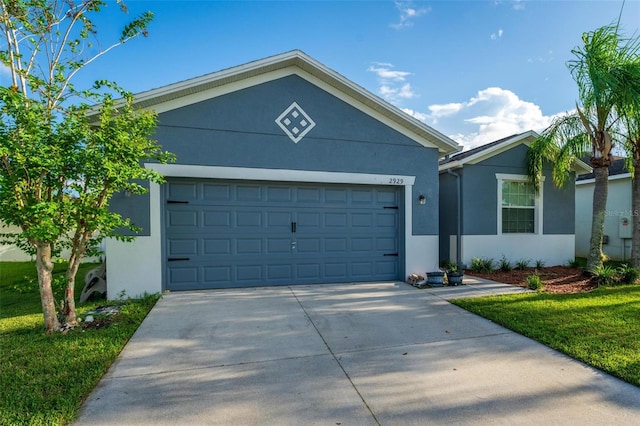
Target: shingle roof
(617, 168)
(465, 154)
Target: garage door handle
(294, 227)
(391, 254)
(177, 202)
(177, 259)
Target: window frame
(537, 209)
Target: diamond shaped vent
(295, 122)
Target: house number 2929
(396, 181)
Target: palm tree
(597, 70)
(630, 129)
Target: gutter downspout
(459, 219)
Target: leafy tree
(60, 159)
(590, 129)
(628, 86)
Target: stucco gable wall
(480, 193)
(239, 130)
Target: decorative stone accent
(295, 122)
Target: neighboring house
(11, 253)
(500, 213)
(618, 217)
(286, 173)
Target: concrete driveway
(351, 354)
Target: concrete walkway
(347, 354)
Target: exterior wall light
(422, 199)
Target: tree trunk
(635, 217)
(44, 266)
(69, 293)
(600, 192)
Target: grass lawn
(45, 378)
(599, 328)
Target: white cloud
(518, 5)
(384, 71)
(492, 114)
(497, 35)
(393, 85)
(408, 12)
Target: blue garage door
(222, 234)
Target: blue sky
(474, 70)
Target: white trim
(285, 175)
(538, 207)
(614, 177)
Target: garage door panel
(249, 246)
(335, 245)
(248, 193)
(237, 234)
(279, 194)
(279, 272)
(217, 274)
(335, 220)
(362, 244)
(184, 275)
(279, 219)
(249, 272)
(335, 270)
(217, 218)
(387, 245)
(177, 247)
(335, 196)
(362, 220)
(308, 195)
(182, 191)
(216, 192)
(183, 219)
(248, 219)
(360, 196)
(278, 245)
(217, 246)
(309, 245)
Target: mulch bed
(556, 279)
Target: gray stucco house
(489, 209)
(286, 173)
(618, 221)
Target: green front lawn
(45, 378)
(599, 328)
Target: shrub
(505, 265)
(481, 265)
(523, 264)
(534, 282)
(573, 263)
(539, 264)
(627, 274)
(606, 276)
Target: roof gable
(483, 152)
(198, 89)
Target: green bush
(627, 274)
(482, 265)
(505, 265)
(523, 264)
(606, 276)
(534, 282)
(539, 264)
